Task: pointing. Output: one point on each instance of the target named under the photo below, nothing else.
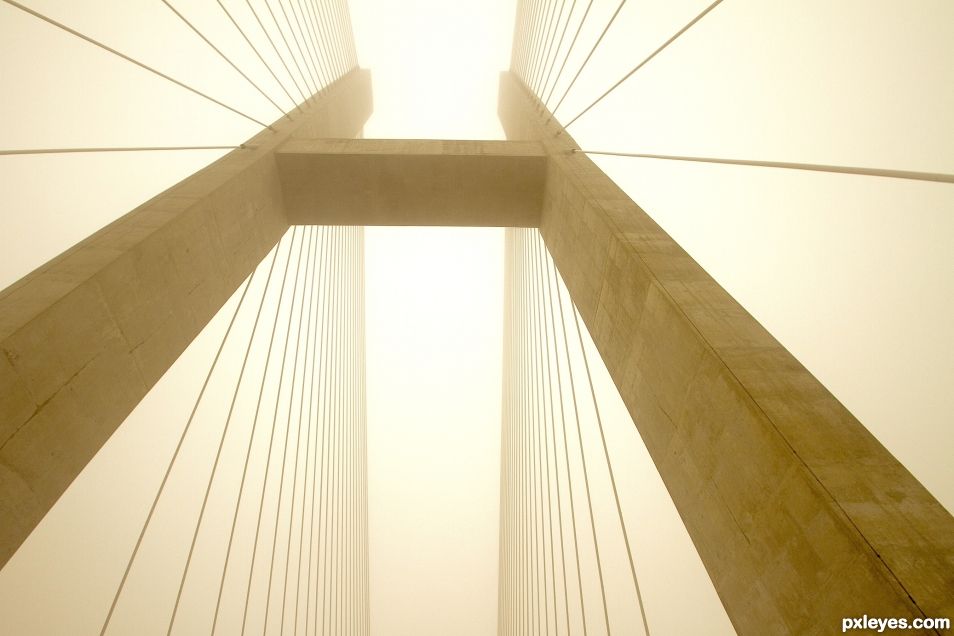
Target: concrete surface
(412, 182)
(800, 515)
(86, 335)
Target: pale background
(853, 274)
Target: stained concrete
(800, 515)
(412, 182)
(86, 335)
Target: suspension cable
(352, 432)
(281, 58)
(224, 56)
(538, 61)
(528, 533)
(352, 493)
(268, 454)
(510, 394)
(346, 42)
(520, 32)
(335, 600)
(503, 564)
(351, 40)
(335, 51)
(94, 42)
(312, 41)
(364, 438)
(321, 41)
(309, 75)
(815, 167)
(554, 26)
(334, 18)
(590, 54)
(63, 151)
(536, 32)
(569, 51)
(248, 450)
(218, 452)
(333, 434)
(586, 479)
(527, 42)
(309, 297)
(516, 43)
(532, 462)
(609, 467)
(556, 464)
(327, 434)
(319, 449)
(340, 515)
(556, 51)
(516, 518)
(288, 423)
(307, 46)
(645, 61)
(534, 441)
(324, 416)
(314, 313)
(566, 446)
(255, 50)
(540, 328)
(175, 456)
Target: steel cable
(172, 460)
(141, 65)
(268, 454)
(590, 55)
(258, 54)
(586, 479)
(814, 167)
(549, 303)
(644, 62)
(248, 451)
(288, 425)
(218, 452)
(223, 56)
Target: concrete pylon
(86, 335)
(800, 515)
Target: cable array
(548, 527)
(319, 46)
(534, 50)
(305, 509)
(536, 47)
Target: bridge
(800, 516)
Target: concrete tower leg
(85, 336)
(800, 515)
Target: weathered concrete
(800, 516)
(87, 334)
(412, 182)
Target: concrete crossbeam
(86, 335)
(412, 182)
(800, 515)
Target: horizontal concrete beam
(799, 514)
(412, 182)
(85, 336)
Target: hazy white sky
(853, 274)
